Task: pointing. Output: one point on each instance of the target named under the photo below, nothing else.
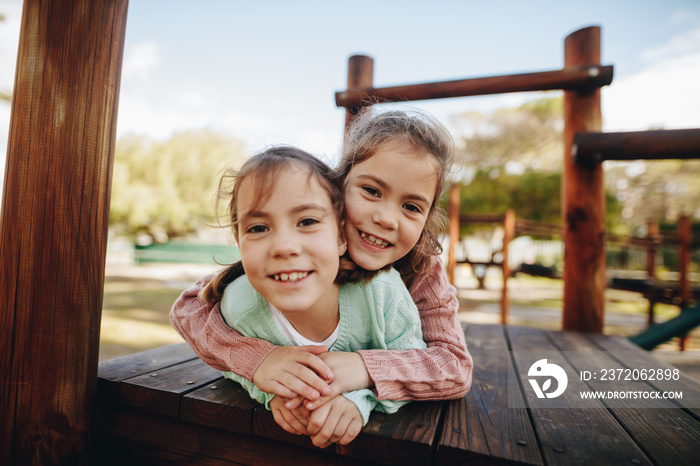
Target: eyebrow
(383, 184)
(295, 210)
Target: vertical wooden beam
(454, 207)
(53, 232)
(583, 198)
(652, 236)
(508, 236)
(360, 77)
(684, 240)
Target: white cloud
(140, 61)
(681, 45)
(663, 95)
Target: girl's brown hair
(424, 134)
(262, 169)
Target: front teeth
(290, 277)
(374, 240)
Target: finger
(312, 361)
(305, 370)
(295, 379)
(302, 413)
(296, 425)
(281, 390)
(351, 432)
(313, 405)
(317, 419)
(294, 403)
(282, 422)
(315, 349)
(327, 430)
(340, 429)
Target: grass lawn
(137, 302)
(135, 316)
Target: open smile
(290, 277)
(374, 241)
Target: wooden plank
(160, 391)
(482, 428)
(584, 77)
(405, 437)
(227, 407)
(110, 373)
(652, 428)
(130, 436)
(585, 434)
(594, 148)
(637, 358)
(264, 425)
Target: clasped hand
(308, 382)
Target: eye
(413, 208)
(371, 191)
(256, 229)
(307, 222)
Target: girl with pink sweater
(393, 168)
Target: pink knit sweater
(442, 371)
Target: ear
(342, 239)
(342, 243)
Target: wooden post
(652, 236)
(583, 198)
(360, 77)
(454, 206)
(684, 236)
(508, 236)
(684, 240)
(53, 232)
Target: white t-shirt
(295, 337)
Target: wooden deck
(167, 406)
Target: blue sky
(267, 71)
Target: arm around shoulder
(444, 369)
(217, 344)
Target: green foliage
(534, 195)
(167, 188)
(512, 158)
(657, 190)
(529, 136)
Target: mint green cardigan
(376, 315)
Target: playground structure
(585, 148)
(679, 291)
(53, 233)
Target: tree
(4, 94)
(512, 158)
(166, 189)
(658, 190)
(529, 136)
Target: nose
(385, 218)
(284, 245)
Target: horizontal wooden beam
(591, 148)
(568, 78)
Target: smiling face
(289, 242)
(387, 200)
